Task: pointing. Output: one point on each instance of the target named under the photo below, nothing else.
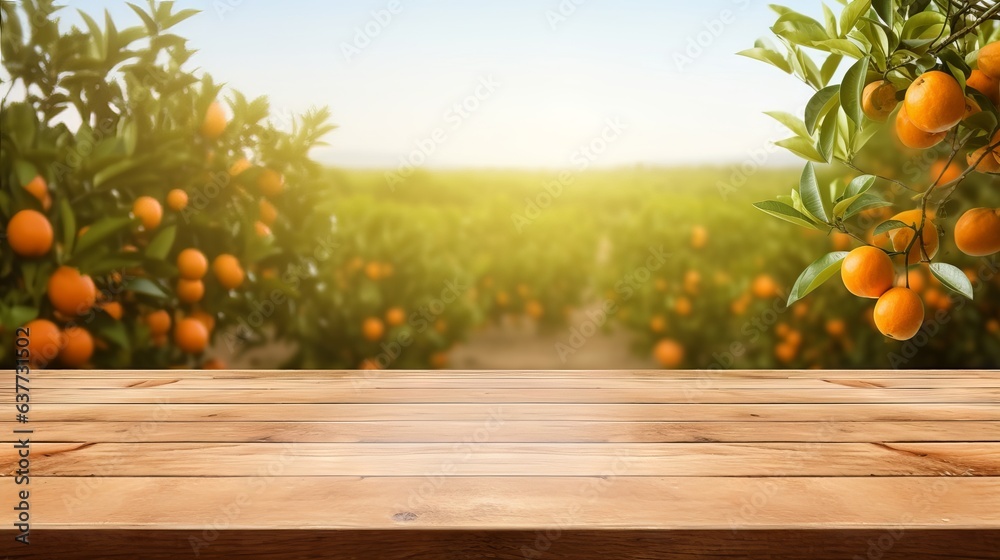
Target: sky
(512, 83)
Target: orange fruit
(867, 272)
(971, 107)
(177, 200)
(658, 324)
(841, 241)
(989, 60)
(441, 326)
(990, 87)
(940, 175)
(368, 364)
(682, 306)
(439, 360)
(982, 161)
(70, 292)
(45, 341)
(764, 287)
(113, 309)
(785, 352)
(372, 329)
(228, 271)
(204, 318)
(935, 102)
(901, 237)
(214, 363)
(270, 183)
(836, 327)
(395, 316)
(794, 338)
(268, 213)
(214, 123)
(192, 264)
(937, 299)
(878, 100)
(782, 329)
(77, 348)
(158, 322)
(916, 279)
(534, 309)
(148, 210)
(502, 298)
(899, 313)
(239, 166)
(38, 188)
(699, 237)
(913, 137)
(190, 291)
(373, 270)
(995, 142)
(977, 232)
(668, 353)
(191, 336)
(30, 234)
(692, 279)
(261, 229)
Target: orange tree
(932, 70)
(139, 220)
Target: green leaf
(886, 9)
(68, 225)
(818, 105)
(771, 57)
(115, 332)
(828, 135)
(98, 231)
(864, 202)
(860, 185)
(145, 286)
(809, 191)
(889, 225)
(952, 278)
(851, 90)
(160, 246)
(793, 123)
(841, 46)
(785, 212)
(829, 67)
(802, 147)
(815, 275)
(852, 12)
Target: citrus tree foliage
(867, 61)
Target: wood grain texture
(510, 464)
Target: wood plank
(509, 432)
(465, 382)
(546, 543)
(528, 374)
(509, 459)
(610, 502)
(339, 394)
(169, 412)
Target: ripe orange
(158, 322)
(682, 306)
(534, 309)
(441, 326)
(373, 270)
(148, 210)
(971, 107)
(941, 176)
(841, 241)
(785, 352)
(368, 364)
(794, 338)
(901, 237)
(977, 232)
(204, 318)
(190, 291)
(70, 292)
(692, 280)
(899, 313)
(239, 166)
(668, 353)
(699, 237)
(113, 309)
(990, 87)
(502, 298)
(261, 229)
(868, 272)
(836, 327)
(177, 200)
(372, 329)
(657, 324)
(982, 161)
(228, 271)
(913, 137)
(30, 234)
(439, 360)
(878, 100)
(268, 213)
(38, 188)
(935, 102)
(270, 183)
(916, 279)
(45, 341)
(192, 264)
(191, 336)
(764, 287)
(395, 316)
(989, 60)
(214, 123)
(78, 347)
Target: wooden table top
(511, 450)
